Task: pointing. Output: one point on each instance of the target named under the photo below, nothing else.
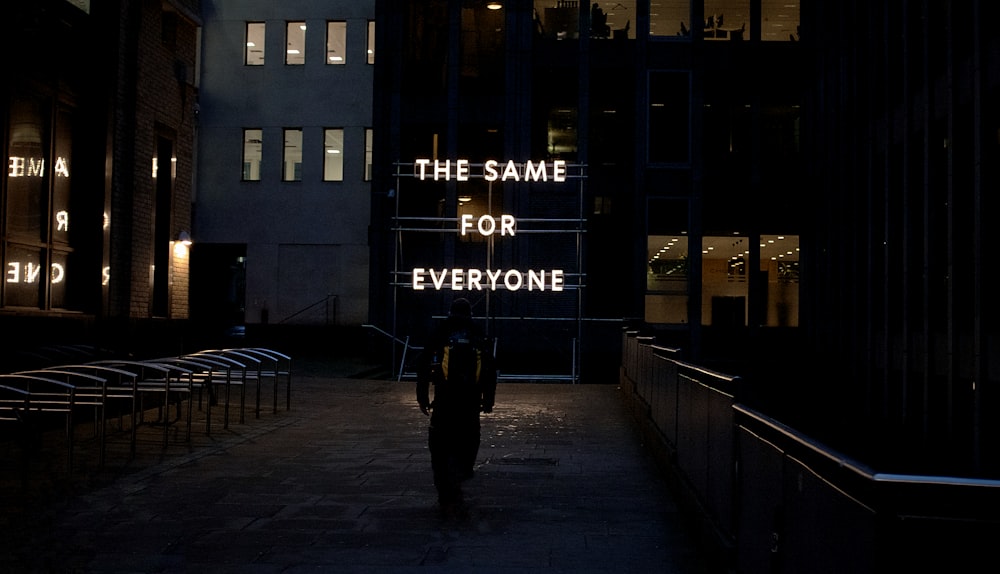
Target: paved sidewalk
(342, 483)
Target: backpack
(461, 359)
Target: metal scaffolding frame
(575, 281)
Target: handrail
(316, 304)
(387, 334)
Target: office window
(724, 280)
(295, 43)
(612, 19)
(336, 43)
(252, 142)
(562, 130)
(369, 139)
(727, 20)
(292, 157)
(667, 261)
(371, 41)
(669, 18)
(333, 154)
(780, 20)
(669, 117)
(779, 264)
(254, 54)
(559, 20)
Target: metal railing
(774, 499)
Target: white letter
(536, 278)
(559, 170)
(418, 278)
(62, 221)
(487, 230)
(510, 171)
(438, 281)
(58, 272)
(532, 174)
(466, 222)
(557, 280)
(474, 276)
(445, 170)
(516, 275)
(13, 272)
(506, 224)
(15, 167)
(36, 169)
(490, 170)
(31, 272)
(61, 169)
(456, 279)
(422, 164)
(462, 170)
(106, 276)
(492, 276)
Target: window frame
(338, 174)
(339, 26)
(248, 41)
(299, 53)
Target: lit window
(371, 41)
(780, 20)
(295, 43)
(369, 139)
(252, 154)
(724, 289)
(254, 54)
(670, 18)
(336, 43)
(292, 170)
(727, 20)
(333, 155)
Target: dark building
(682, 205)
(98, 122)
(796, 194)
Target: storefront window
(27, 169)
(39, 206)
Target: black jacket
(480, 396)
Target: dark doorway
(218, 290)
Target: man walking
(458, 362)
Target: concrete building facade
(282, 207)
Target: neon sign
(493, 170)
(460, 170)
(473, 279)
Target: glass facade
(42, 216)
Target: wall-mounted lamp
(494, 5)
(184, 237)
